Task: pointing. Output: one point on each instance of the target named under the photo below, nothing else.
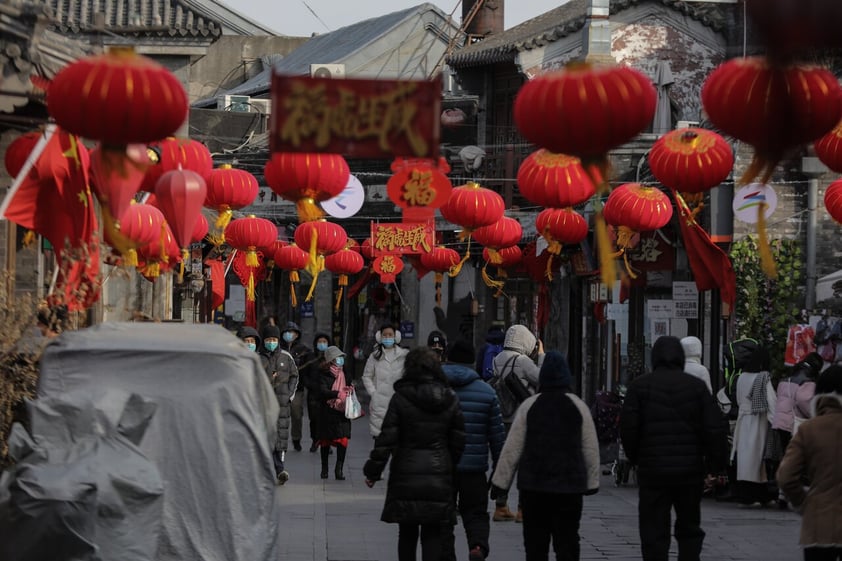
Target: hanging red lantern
(158, 256)
(343, 263)
(632, 208)
(291, 258)
(419, 184)
(506, 232)
(140, 225)
(833, 200)
(829, 149)
(247, 235)
(200, 230)
(175, 153)
(229, 189)
(510, 256)
(321, 238)
(691, 160)
(366, 250)
(472, 206)
(560, 226)
(585, 110)
(19, 150)
(117, 98)
(773, 108)
(180, 195)
(307, 179)
(440, 260)
(388, 267)
(554, 180)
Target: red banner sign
(356, 118)
(402, 237)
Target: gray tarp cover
(210, 436)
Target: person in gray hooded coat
(693, 360)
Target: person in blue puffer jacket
(484, 432)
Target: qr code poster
(660, 327)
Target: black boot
(325, 452)
(340, 462)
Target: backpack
(489, 352)
(737, 354)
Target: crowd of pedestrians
(456, 427)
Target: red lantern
(553, 180)
(177, 153)
(440, 260)
(472, 206)
(829, 149)
(388, 267)
(291, 258)
(561, 226)
(505, 257)
(506, 232)
(691, 160)
(366, 250)
(833, 200)
(343, 263)
(200, 230)
(632, 208)
(180, 195)
(19, 150)
(140, 225)
(117, 98)
(229, 189)
(116, 176)
(772, 108)
(585, 110)
(307, 179)
(321, 238)
(419, 184)
(160, 255)
(247, 235)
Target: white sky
(291, 17)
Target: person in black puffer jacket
(424, 433)
(670, 426)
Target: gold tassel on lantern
(767, 262)
(549, 271)
(320, 266)
(494, 256)
(457, 268)
(343, 282)
(489, 282)
(28, 238)
(223, 217)
(185, 255)
(250, 287)
(439, 277)
(293, 278)
(624, 236)
(252, 260)
(606, 256)
(308, 210)
(151, 270)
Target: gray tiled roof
(197, 18)
(333, 47)
(563, 21)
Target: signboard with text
(356, 118)
(402, 237)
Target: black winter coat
(332, 423)
(424, 432)
(669, 426)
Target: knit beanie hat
(461, 352)
(270, 331)
(555, 373)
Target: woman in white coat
(382, 369)
(756, 401)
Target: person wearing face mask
(283, 374)
(310, 374)
(333, 428)
(437, 341)
(382, 369)
(250, 337)
(291, 343)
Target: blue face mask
(321, 347)
(388, 342)
(271, 346)
(252, 346)
(289, 336)
(340, 361)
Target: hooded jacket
(283, 374)
(424, 433)
(493, 338)
(379, 377)
(670, 424)
(296, 348)
(484, 428)
(309, 368)
(693, 360)
(518, 347)
(815, 454)
(247, 331)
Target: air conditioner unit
(238, 103)
(686, 124)
(327, 70)
(261, 106)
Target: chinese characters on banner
(400, 238)
(356, 118)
